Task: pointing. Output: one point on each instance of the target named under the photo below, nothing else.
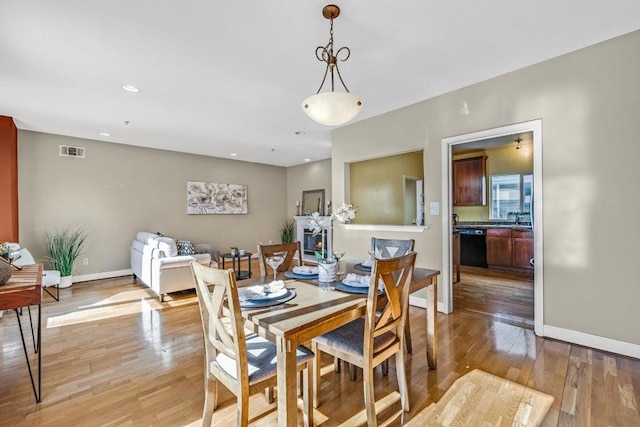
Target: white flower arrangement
(345, 212)
(318, 223)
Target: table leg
(432, 324)
(287, 388)
(37, 393)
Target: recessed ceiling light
(104, 134)
(307, 160)
(300, 132)
(234, 154)
(130, 88)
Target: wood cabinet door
(522, 249)
(499, 247)
(469, 182)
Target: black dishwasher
(473, 247)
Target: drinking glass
(274, 262)
(338, 254)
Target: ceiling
(218, 77)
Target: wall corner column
(8, 180)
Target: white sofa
(155, 262)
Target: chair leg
(352, 372)
(210, 400)
(336, 364)
(402, 380)
(243, 410)
(268, 394)
(385, 367)
(316, 374)
(301, 382)
(369, 398)
(307, 385)
(407, 336)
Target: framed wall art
(207, 198)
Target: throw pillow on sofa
(185, 247)
(167, 245)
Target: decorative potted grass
(287, 231)
(64, 248)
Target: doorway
(449, 145)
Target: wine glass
(274, 261)
(338, 254)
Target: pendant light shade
(332, 108)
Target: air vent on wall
(70, 151)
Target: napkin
(357, 280)
(367, 262)
(257, 291)
(276, 285)
(305, 269)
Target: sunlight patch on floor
(121, 297)
(104, 312)
(390, 399)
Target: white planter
(65, 281)
(327, 274)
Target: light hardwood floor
(503, 294)
(114, 356)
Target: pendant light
(332, 108)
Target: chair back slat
(287, 250)
(391, 248)
(221, 318)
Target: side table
(235, 264)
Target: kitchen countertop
(487, 224)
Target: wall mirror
(312, 201)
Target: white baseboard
(103, 275)
(419, 301)
(594, 341)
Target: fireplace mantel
(302, 225)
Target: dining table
(313, 312)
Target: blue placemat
(290, 274)
(268, 302)
(354, 289)
(361, 267)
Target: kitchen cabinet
(522, 248)
(509, 248)
(499, 247)
(469, 182)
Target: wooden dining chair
(288, 250)
(244, 363)
(389, 248)
(368, 341)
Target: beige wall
(118, 190)
(308, 176)
(588, 101)
(503, 160)
(377, 187)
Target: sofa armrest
(205, 248)
(180, 261)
